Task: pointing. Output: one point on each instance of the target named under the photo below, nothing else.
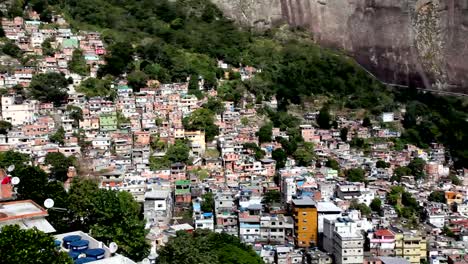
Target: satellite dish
(49, 203)
(113, 247)
(11, 168)
(15, 180)
(145, 261)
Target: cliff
(418, 42)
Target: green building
(108, 122)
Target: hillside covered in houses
(162, 131)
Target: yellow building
(410, 245)
(305, 222)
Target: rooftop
(27, 214)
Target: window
(304, 228)
(304, 213)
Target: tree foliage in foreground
(29, 246)
(206, 247)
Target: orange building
(305, 222)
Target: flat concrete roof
(20, 210)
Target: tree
(304, 155)
(207, 204)
(12, 50)
(29, 246)
(331, 163)
(271, 197)
(376, 205)
(33, 182)
(382, 164)
(366, 122)
(455, 180)
(58, 137)
(49, 87)
(78, 63)
(60, 165)
(137, 80)
(76, 114)
(5, 126)
(202, 119)
(280, 156)
(355, 175)
(417, 168)
(214, 105)
(400, 172)
(110, 216)
(179, 152)
(344, 134)
(363, 208)
(265, 133)
(118, 58)
(116, 216)
(437, 196)
(10, 157)
(206, 247)
(92, 87)
(47, 49)
(193, 86)
(16, 8)
(324, 118)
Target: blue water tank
(68, 239)
(79, 246)
(84, 260)
(74, 255)
(96, 253)
(57, 243)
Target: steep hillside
(419, 42)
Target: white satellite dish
(15, 180)
(11, 168)
(145, 261)
(113, 247)
(49, 203)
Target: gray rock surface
(422, 42)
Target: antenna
(48, 203)
(113, 247)
(11, 168)
(15, 180)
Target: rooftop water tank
(68, 239)
(96, 253)
(79, 246)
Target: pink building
(382, 242)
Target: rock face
(418, 42)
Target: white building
(342, 239)
(19, 112)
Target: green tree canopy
(92, 87)
(5, 126)
(265, 133)
(137, 80)
(179, 152)
(29, 246)
(49, 87)
(376, 205)
(280, 156)
(202, 119)
(324, 118)
(12, 49)
(208, 203)
(437, 196)
(417, 168)
(355, 175)
(58, 137)
(332, 163)
(205, 247)
(382, 164)
(271, 197)
(78, 63)
(59, 165)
